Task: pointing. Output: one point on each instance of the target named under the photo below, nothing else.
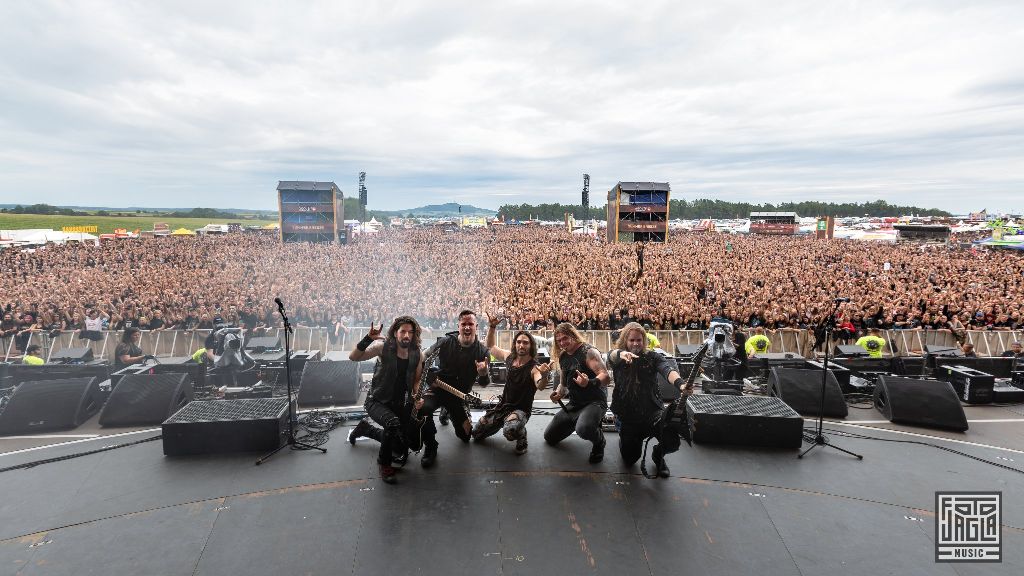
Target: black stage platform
(484, 510)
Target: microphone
(279, 303)
(842, 299)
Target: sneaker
(443, 417)
(597, 453)
(521, 445)
(429, 455)
(659, 461)
(360, 430)
(387, 474)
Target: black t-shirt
(458, 362)
(519, 387)
(156, 323)
(125, 348)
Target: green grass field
(107, 224)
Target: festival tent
(183, 232)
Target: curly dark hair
(416, 330)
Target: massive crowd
(531, 275)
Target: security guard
(873, 343)
(758, 343)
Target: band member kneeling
(585, 383)
(461, 360)
(389, 402)
(636, 400)
(524, 378)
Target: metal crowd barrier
(163, 343)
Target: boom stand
(292, 420)
(819, 438)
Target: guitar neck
(450, 389)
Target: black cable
(78, 454)
(921, 443)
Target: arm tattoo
(593, 356)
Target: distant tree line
(44, 209)
(705, 208)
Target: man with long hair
(396, 378)
(524, 377)
(585, 383)
(635, 398)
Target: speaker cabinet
(46, 405)
(78, 355)
(146, 399)
(927, 403)
(801, 391)
(221, 426)
(329, 384)
(744, 420)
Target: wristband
(364, 343)
(594, 382)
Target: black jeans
(585, 420)
(456, 411)
(633, 434)
(399, 431)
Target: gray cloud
(192, 103)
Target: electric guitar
(472, 399)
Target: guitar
(472, 399)
(674, 416)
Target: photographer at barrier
(635, 398)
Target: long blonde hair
(567, 329)
(624, 335)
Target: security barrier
(165, 343)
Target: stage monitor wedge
(47, 405)
(927, 403)
(801, 390)
(146, 399)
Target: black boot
(429, 455)
(360, 430)
(597, 453)
(659, 461)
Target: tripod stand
(819, 438)
(292, 420)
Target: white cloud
(913, 102)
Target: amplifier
(744, 420)
(1017, 379)
(499, 372)
(218, 426)
(1004, 393)
(972, 386)
(727, 387)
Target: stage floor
(484, 510)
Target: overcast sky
(186, 104)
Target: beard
(638, 350)
(404, 343)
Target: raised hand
(627, 357)
(481, 367)
(581, 379)
(374, 333)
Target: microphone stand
(292, 420)
(819, 438)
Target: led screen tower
(308, 211)
(638, 212)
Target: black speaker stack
(744, 420)
(329, 384)
(221, 426)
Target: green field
(107, 224)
